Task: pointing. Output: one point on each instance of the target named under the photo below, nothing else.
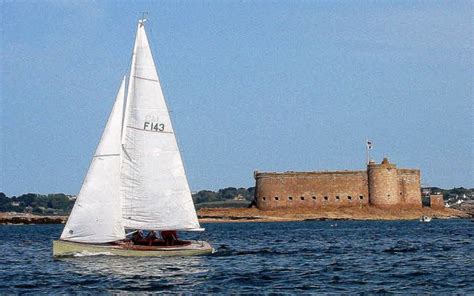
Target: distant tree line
(61, 204)
(225, 194)
(449, 193)
(51, 204)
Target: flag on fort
(369, 145)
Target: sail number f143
(154, 126)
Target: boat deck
(146, 244)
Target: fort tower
(383, 184)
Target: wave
(86, 254)
(401, 249)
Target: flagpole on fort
(368, 147)
(367, 150)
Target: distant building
(426, 191)
(382, 185)
(436, 201)
(239, 197)
(71, 197)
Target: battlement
(408, 172)
(385, 164)
(304, 174)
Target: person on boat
(151, 236)
(169, 236)
(137, 236)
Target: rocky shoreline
(23, 218)
(336, 213)
(222, 215)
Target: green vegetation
(225, 194)
(455, 193)
(51, 204)
(61, 204)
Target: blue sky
(252, 85)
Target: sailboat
(136, 180)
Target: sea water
(309, 257)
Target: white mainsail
(97, 213)
(155, 193)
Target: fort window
(290, 197)
(276, 197)
(325, 198)
(302, 198)
(264, 198)
(349, 197)
(361, 196)
(337, 197)
(400, 193)
(314, 197)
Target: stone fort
(381, 185)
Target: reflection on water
(319, 256)
(176, 268)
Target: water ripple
(258, 258)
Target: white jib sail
(97, 213)
(155, 191)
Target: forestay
(97, 215)
(154, 190)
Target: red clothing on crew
(169, 236)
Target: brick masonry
(381, 185)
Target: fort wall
(311, 189)
(382, 185)
(409, 181)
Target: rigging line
(143, 78)
(126, 153)
(131, 232)
(151, 109)
(103, 155)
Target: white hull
(63, 248)
(425, 219)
